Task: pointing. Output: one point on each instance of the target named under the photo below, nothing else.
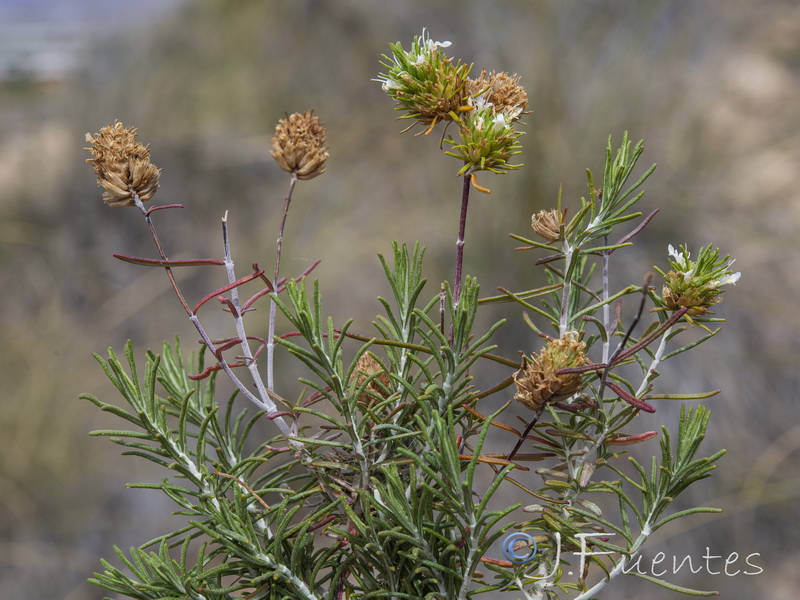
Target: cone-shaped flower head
(424, 82)
(122, 165)
(538, 381)
(696, 285)
(486, 140)
(298, 145)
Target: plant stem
(462, 226)
(620, 566)
(606, 307)
(238, 317)
(264, 401)
(161, 253)
(272, 305)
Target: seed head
(298, 145)
(538, 381)
(122, 165)
(547, 224)
(501, 90)
(378, 387)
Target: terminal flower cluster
(430, 87)
(696, 285)
(122, 165)
(298, 145)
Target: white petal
(730, 279)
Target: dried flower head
(696, 285)
(424, 81)
(367, 367)
(298, 145)
(547, 224)
(538, 381)
(501, 90)
(122, 165)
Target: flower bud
(122, 165)
(298, 145)
(538, 381)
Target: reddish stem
(462, 226)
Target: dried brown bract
(122, 165)
(378, 387)
(547, 224)
(538, 381)
(298, 145)
(502, 90)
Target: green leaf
(673, 587)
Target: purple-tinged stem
(462, 226)
(161, 253)
(268, 406)
(273, 306)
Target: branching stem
(161, 253)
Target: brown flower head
(367, 367)
(298, 145)
(538, 381)
(547, 224)
(501, 90)
(122, 165)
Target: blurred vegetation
(711, 87)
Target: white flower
(387, 83)
(730, 278)
(674, 253)
(500, 121)
(430, 43)
(479, 102)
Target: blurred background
(712, 87)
